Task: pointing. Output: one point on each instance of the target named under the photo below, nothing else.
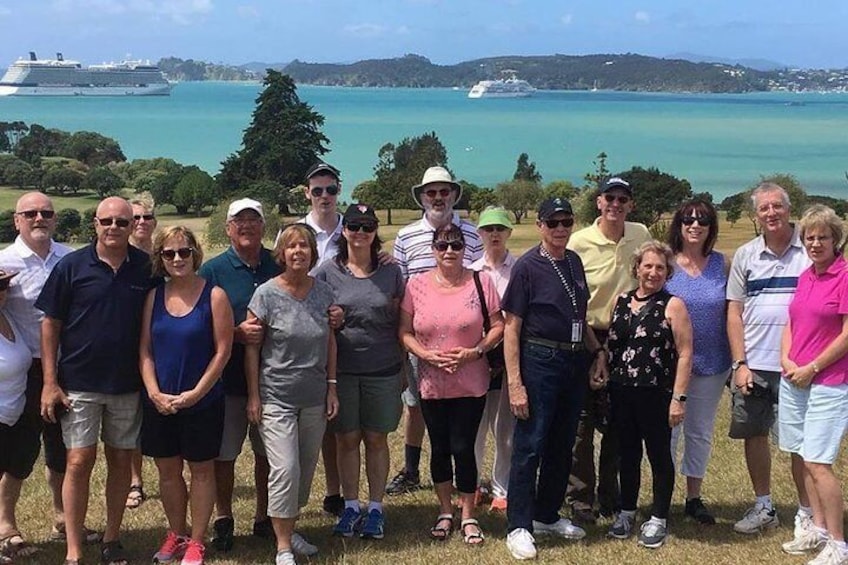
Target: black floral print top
(641, 344)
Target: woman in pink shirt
(813, 407)
(441, 323)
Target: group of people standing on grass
(313, 347)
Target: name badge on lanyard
(577, 331)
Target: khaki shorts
(115, 418)
(236, 428)
(370, 404)
(754, 415)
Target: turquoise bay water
(720, 143)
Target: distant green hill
(189, 69)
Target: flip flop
(15, 545)
(474, 538)
(441, 533)
(135, 497)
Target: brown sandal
(439, 532)
(475, 537)
(135, 497)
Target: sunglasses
(565, 222)
(622, 199)
(367, 228)
(31, 214)
(318, 191)
(455, 245)
(145, 217)
(443, 192)
(183, 252)
(120, 222)
(4, 284)
(703, 221)
(490, 229)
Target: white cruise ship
(58, 77)
(508, 87)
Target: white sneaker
(562, 527)
(826, 556)
(521, 544)
(756, 519)
(284, 558)
(806, 538)
(303, 547)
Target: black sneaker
(263, 528)
(696, 510)
(334, 504)
(403, 483)
(223, 537)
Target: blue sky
(808, 34)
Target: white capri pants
(498, 418)
(292, 438)
(698, 425)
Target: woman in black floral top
(650, 353)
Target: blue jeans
(541, 445)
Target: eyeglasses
(490, 229)
(31, 214)
(455, 245)
(367, 228)
(318, 191)
(622, 199)
(145, 217)
(183, 252)
(120, 222)
(817, 238)
(443, 192)
(246, 221)
(565, 222)
(703, 221)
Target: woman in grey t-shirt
(291, 378)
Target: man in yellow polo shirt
(606, 248)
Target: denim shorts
(812, 420)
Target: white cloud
(248, 12)
(566, 19)
(642, 17)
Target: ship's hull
(148, 90)
(490, 94)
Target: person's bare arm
(681, 328)
(518, 402)
(51, 394)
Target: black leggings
(641, 414)
(452, 425)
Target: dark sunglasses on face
(120, 222)
(565, 222)
(455, 245)
(31, 214)
(318, 191)
(443, 192)
(622, 199)
(183, 252)
(4, 284)
(145, 217)
(367, 228)
(703, 221)
(490, 229)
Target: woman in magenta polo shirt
(813, 407)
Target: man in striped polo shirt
(762, 281)
(437, 194)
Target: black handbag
(495, 356)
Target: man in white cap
(239, 270)
(436, 194)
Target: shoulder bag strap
(483, 306)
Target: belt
(562, 345)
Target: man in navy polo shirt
(92, 303)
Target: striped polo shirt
(765, 283)
(414, 245)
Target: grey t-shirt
(293, 361)
(368, 343)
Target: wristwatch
(736, 364)
(480, 351)
(679, 397)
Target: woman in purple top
(699, 281)
(186, 337)
(813, 408)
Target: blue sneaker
(373, 528)
(348, 523)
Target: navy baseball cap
(551, 206)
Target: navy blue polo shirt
(536, 295)
(239, 280)
(100, 311)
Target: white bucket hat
(434, 175)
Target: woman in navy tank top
(187, 334)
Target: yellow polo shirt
(608, 267)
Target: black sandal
(135, 497)
(472, 538)
(113, 553)
(441, 533)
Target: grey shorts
(411, 396)
(115, 418)
(370, 404)
(755, 414)
(236, 428)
